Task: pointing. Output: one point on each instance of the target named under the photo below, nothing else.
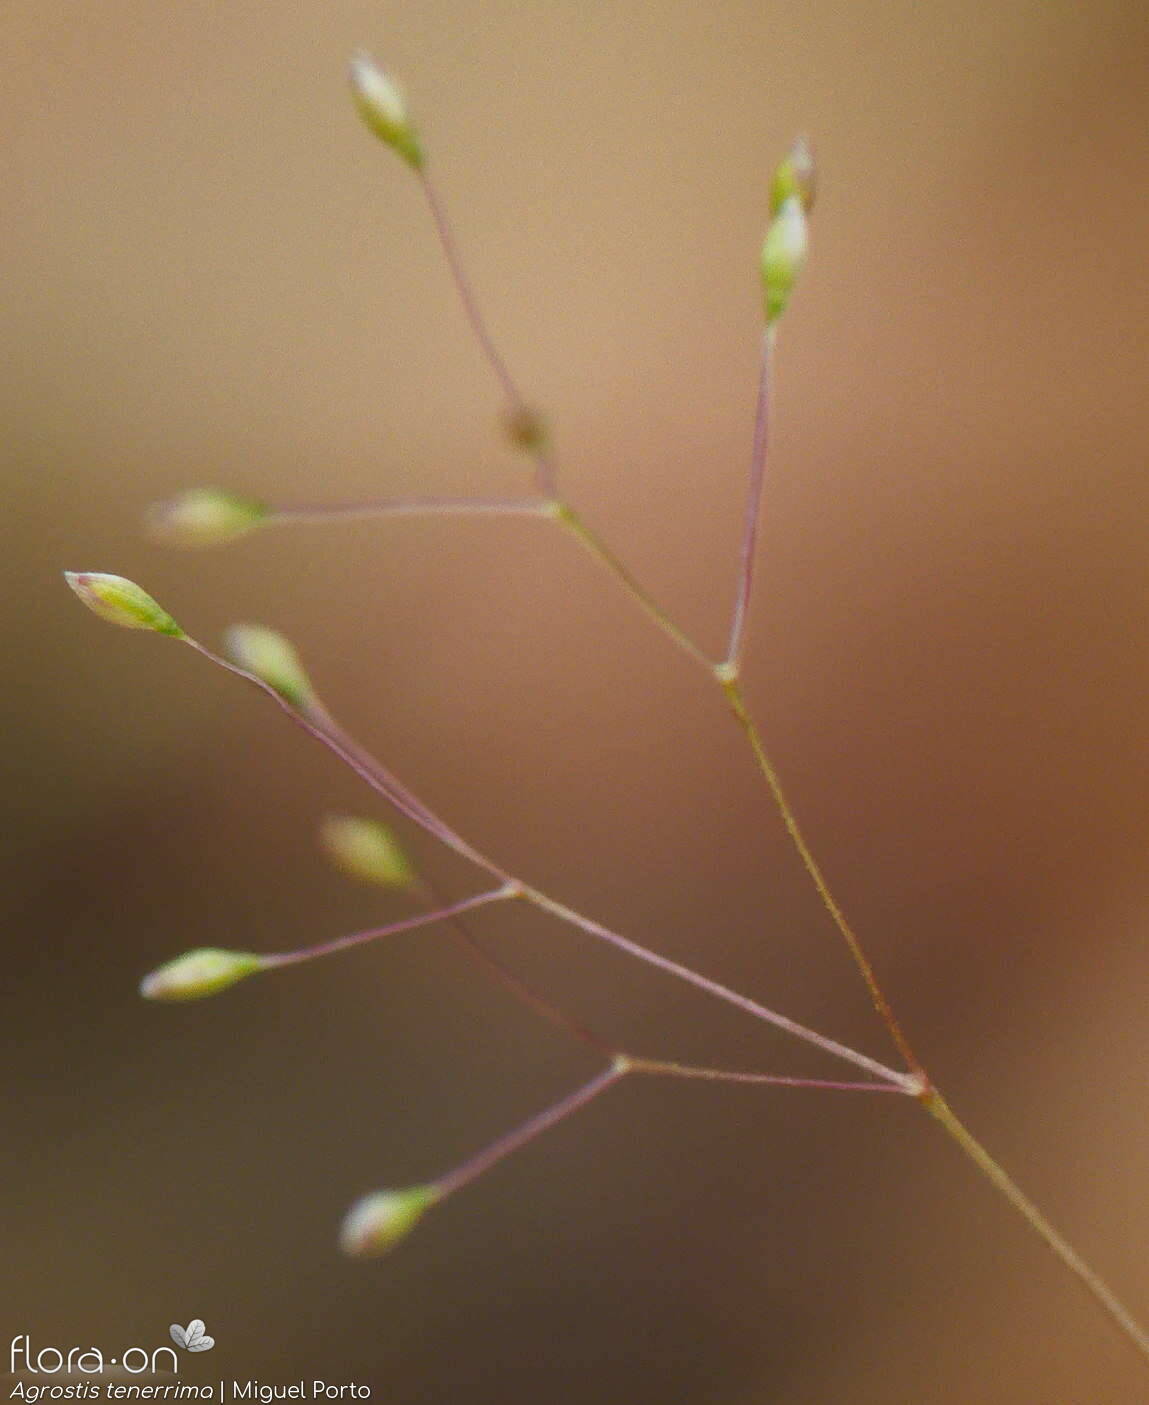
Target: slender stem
(907, 1082)
(726, 675)
(406, 507)
(463, 286)
(392, 929)
(482, 1161)
(318, 722)
(388, 784)
(513, 983)
(545, 468)
(727, 672)
(733, 691)
(914, 1083)
(561, 512)
(753, 507)
(778, 1080)
(384, 781)
(324, 727)
(566, 515)
(996, 1174)
(321, 726)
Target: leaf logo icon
(191, 1337)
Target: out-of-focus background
(214, 275)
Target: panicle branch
(210, 970)
(391, 929)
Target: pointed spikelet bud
(376, 1223)
(199, 973)
(783, 256)
(122, 602)
(797, 175)
(272, 659)
(367, 850)
(204, 517)
(383, 107)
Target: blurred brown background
(213, 275)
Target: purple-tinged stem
(482, 1161)
(406, 507)
(353, 756)
(384, 780)
(545, 473)
(392, 929)
(325, 730)
(753, 511)
(906, 1082)
(515, 984)
(777, 1080)
(549, 508)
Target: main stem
(1093, 1283)
(733, 690)
(727, 673)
